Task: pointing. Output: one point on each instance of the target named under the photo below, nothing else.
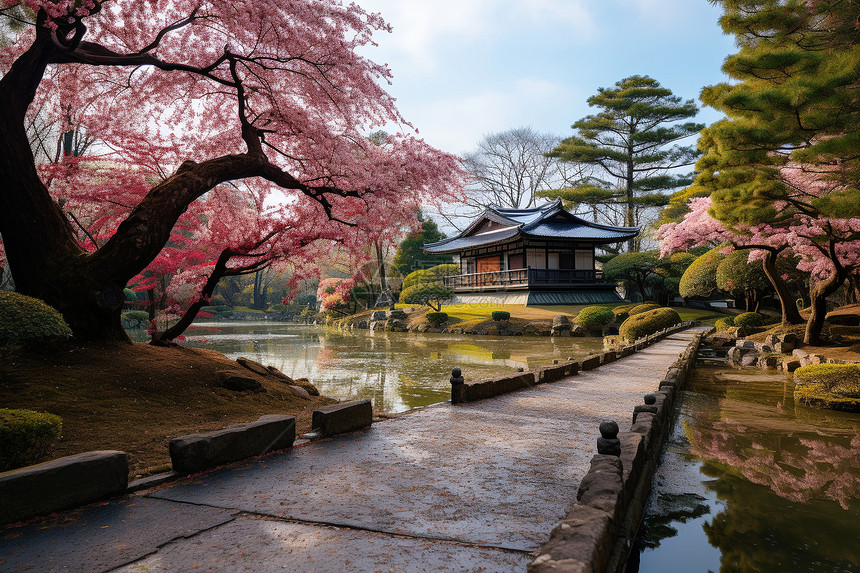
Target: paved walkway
(473, 487)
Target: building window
(584, 259)
(537, 259)
(517, 261)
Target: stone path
(473, 487)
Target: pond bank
(750, 480)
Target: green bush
(700, 278)
(130, 295)
(421, 276)
(645, 323)
(25, 437)
(437, 318)
(644, 307)
(445, 270)
(621, 312)
(724, 324)
(499, 315)
(27, 321)
(748, 319)
(422, 293)
(140, 315)
(595, 317)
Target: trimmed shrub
(645, 323)
(747, 319)
(445, 270)
(724, 324)
(422, 276)
(621, 312)
(700, 278)
(129, 294)
(595, 317)
(835, 386)
(25, 437)
(437, 318)
(139, 315)
(423, 292)
(644, 307)
(500, 315)
(28, 321)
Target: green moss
(832, 386)
(29, 322)
(648, 322)
(595, 317)
(26, 436)
(723, 324)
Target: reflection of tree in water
(669, 508)
(759, 531)
(799, 467)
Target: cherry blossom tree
(189, 96)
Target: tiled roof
(548, 221)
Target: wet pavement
(471, 487)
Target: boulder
(790, 364)
(749, 359)
(306, 384)
(197, 452)
(279, 375)
(578, 330)
(769, 362)
(299, 391)
(238, 382)
(561, 320)
(253, 366)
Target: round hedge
(723, 324)
(700, 278)
(500, 315)
(422, 292)
(595, 317)
(444, 270)
(437, 318)
(748, 319)
(421, 276)
(27, 321)
(640, 308)
(648, 322)
(25, 437)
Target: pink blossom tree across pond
(187, 96)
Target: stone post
(458, 394)
(608, 442)
(650, 400)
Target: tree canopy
(633, 143)
(187, 97)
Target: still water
(398, 371)
(751, 481)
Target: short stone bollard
(457, 386)
(650, 401)
(608, 442)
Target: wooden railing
(523, 278)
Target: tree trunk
(628, 211)
(818, 293)
(380, 262)
(259, 291)
(790, 314)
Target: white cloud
(423, 30)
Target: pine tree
(632, 142)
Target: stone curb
(66, 482)
(342, 418)
(597, 533)
(462, 391)
(198, 452)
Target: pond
(751, 481)
(398, 371)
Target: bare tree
(508, 169)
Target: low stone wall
(343, 417)
(599, 529)
(463, 391)
(198, 452)
(62, 483)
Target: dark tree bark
(790, 314)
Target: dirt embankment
(136, 397)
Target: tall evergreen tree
(788, 153)
(410, 255)
(633, 141)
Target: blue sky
(466, 68)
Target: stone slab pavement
(469, 487)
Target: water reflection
(771, 485)
(397, 371)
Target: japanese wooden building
(543, 255)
